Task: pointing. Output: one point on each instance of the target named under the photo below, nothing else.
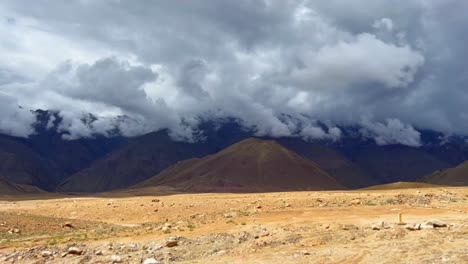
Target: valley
(164, 225)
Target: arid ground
(161, 226)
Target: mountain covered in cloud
(389, 67)
(355, 156)
(361, 81)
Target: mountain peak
(250, 165)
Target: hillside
(457, 176)
(402, 185)
(251, 165)
(19, 164)
(8, 188)
(394, 163)
(330, 160)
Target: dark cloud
(387, 65)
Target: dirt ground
(160, 226)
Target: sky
(391, 67)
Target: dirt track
(296, 227)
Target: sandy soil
(293, 227)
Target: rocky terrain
(157, 225)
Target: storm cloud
(278, 66)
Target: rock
(230, 215)
(75, 251)
(99, 253)
(437, 223)
(151, 261)
(258, 207)
(115, 259)
(413, 227)
(287, 205)
(67, 225)
(426, 225)
(14, 231)
(166, 227)
(172, 242)
(46, 254)
(155, 201)
(375, 227)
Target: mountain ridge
(249, 165)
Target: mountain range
(48, 161)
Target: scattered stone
(413, 227)
(115, 259)
(172, 242)
(155, 201)
(356, 202)
(380, 226)
(68, 225)
(14, 231)
(75, 251)
(437, 223)
(46, 254)
(151, 261)
(230, 215)
(426, 225)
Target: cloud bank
(276, 65)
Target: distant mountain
(330, 160)
(402, 185)
(8, 188)
(251, 165)
(145, 156)
(45, 158)
(457, 176)
(22, 165)
(395, 163)
(100, 163)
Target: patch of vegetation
(191, 227)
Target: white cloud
(393, 131)
(157, 64)
(15, 121)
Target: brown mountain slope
(334, 163)
(457, 176)
(395, 163)
(135, 162)
(19, 164)
(250, 165)
(402, 185)
(8, 188)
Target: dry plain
(161, 226)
